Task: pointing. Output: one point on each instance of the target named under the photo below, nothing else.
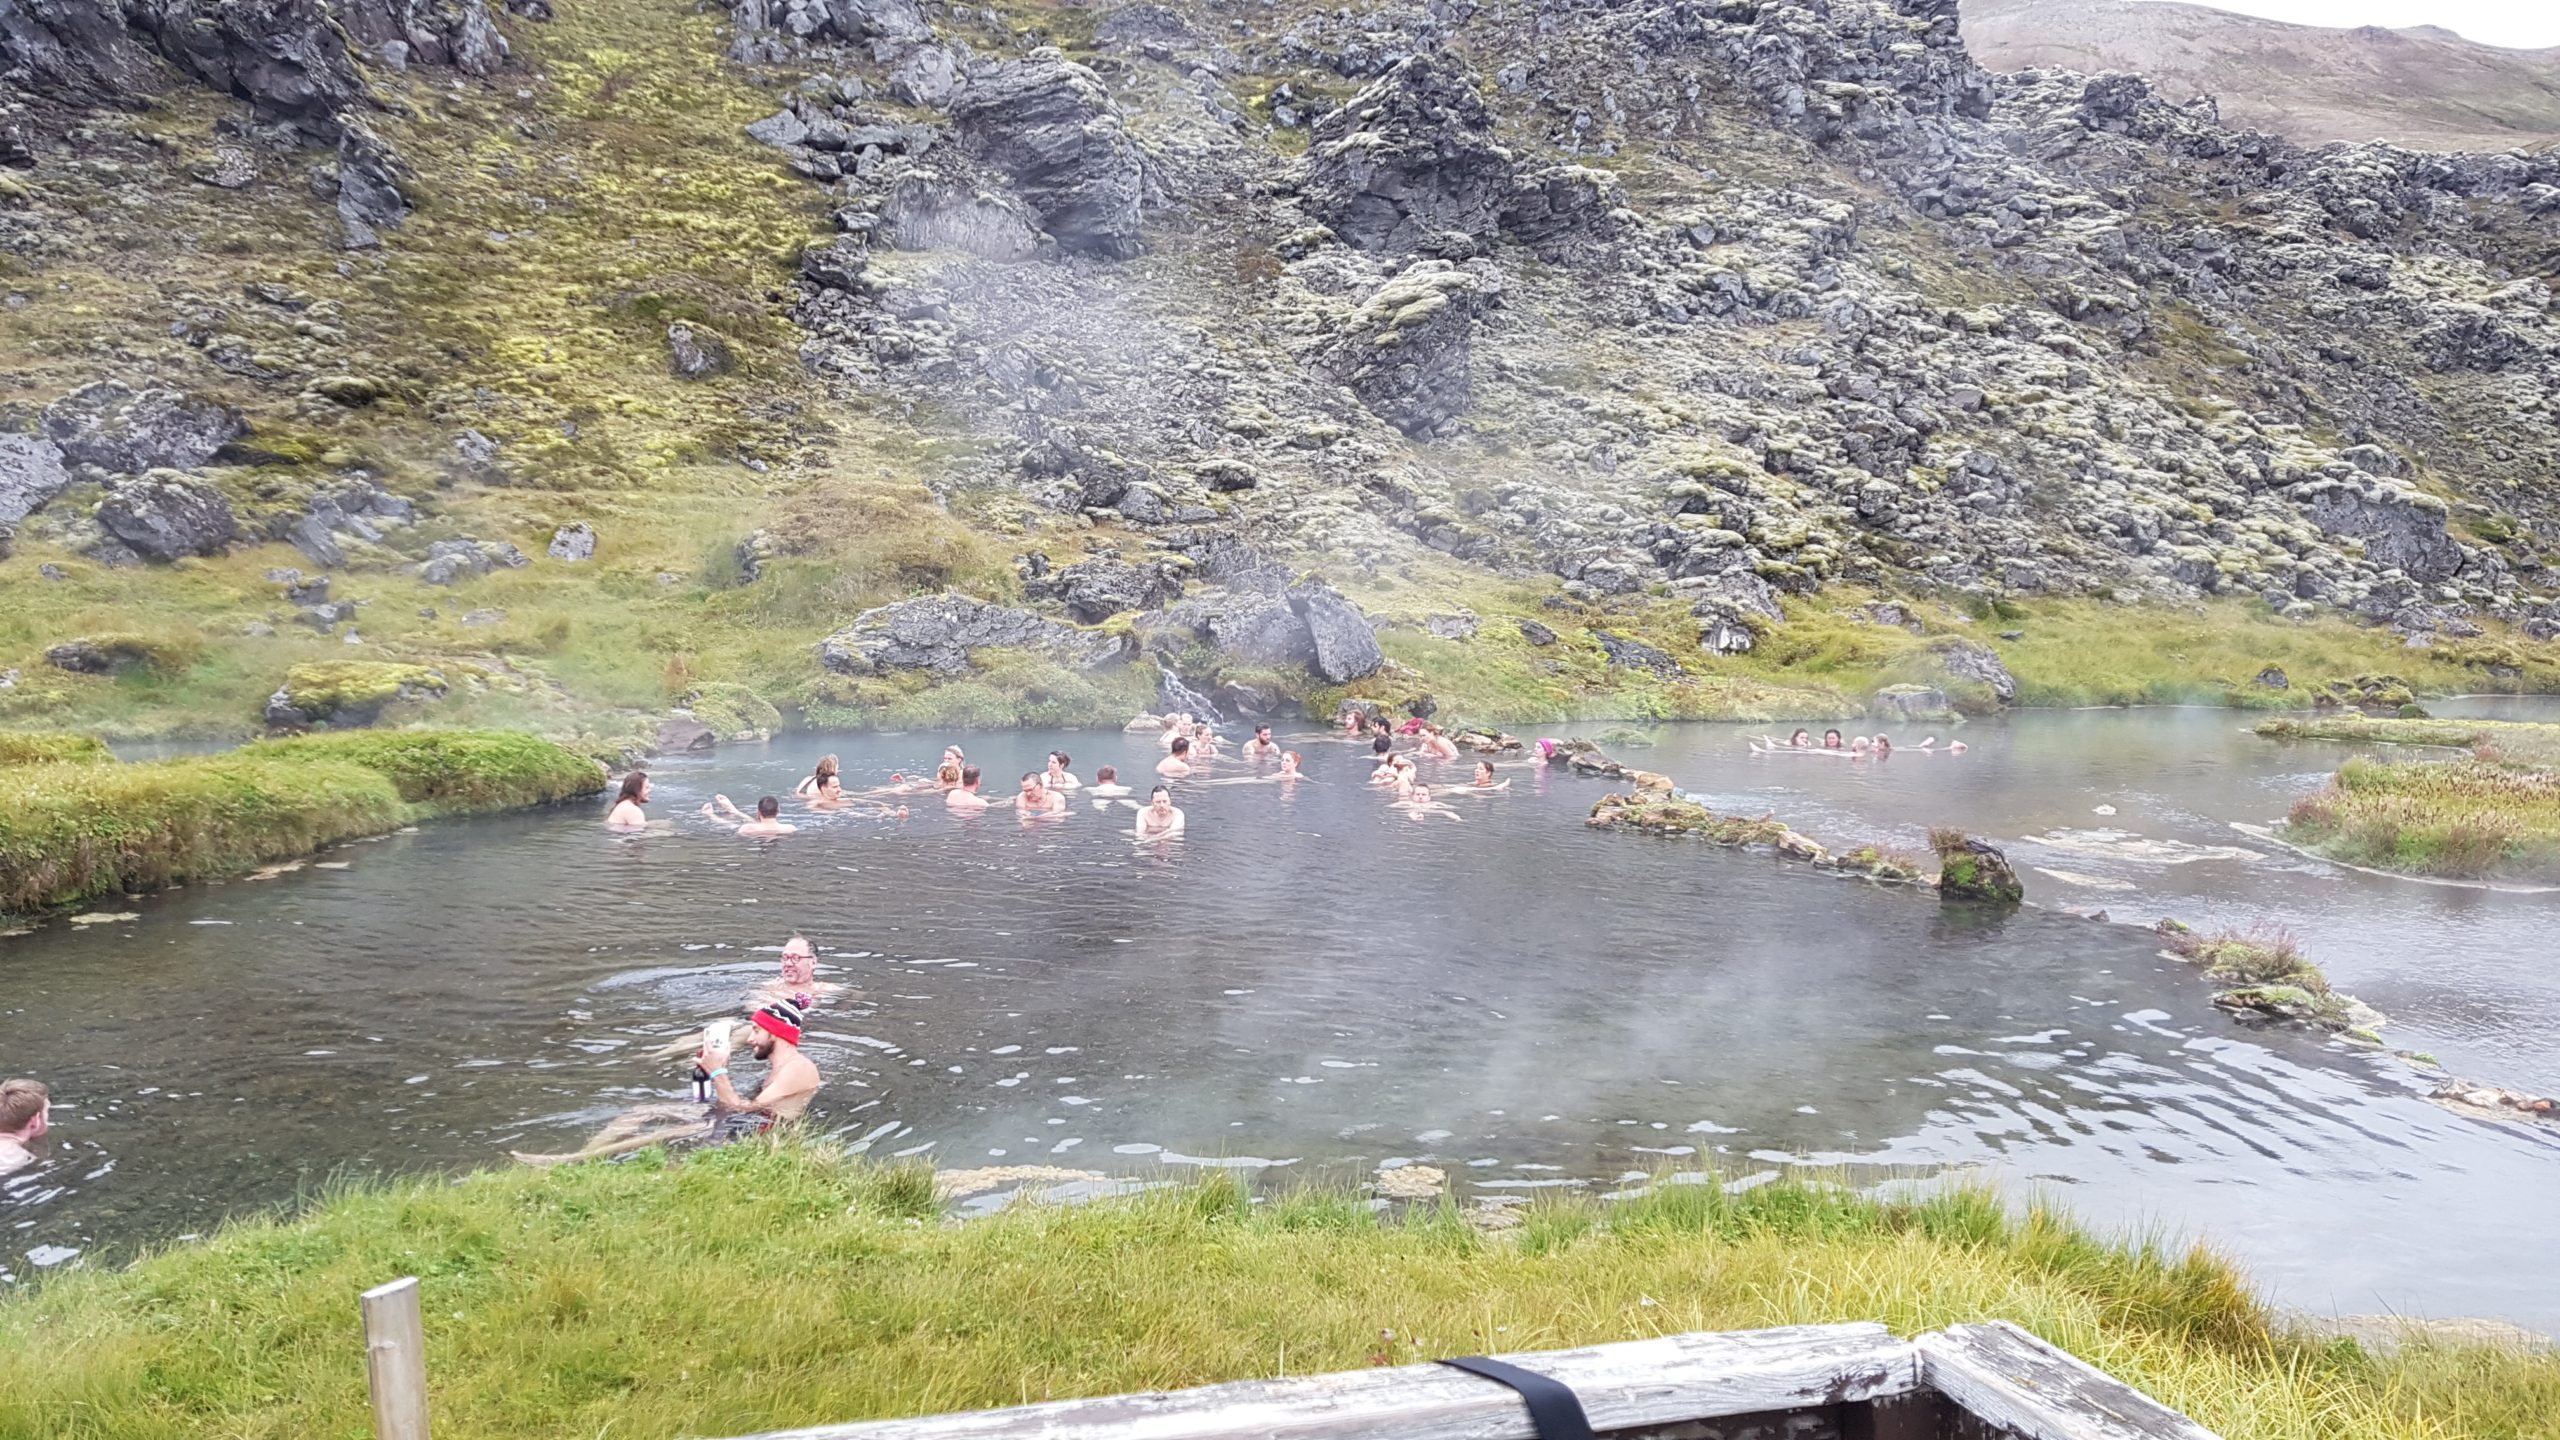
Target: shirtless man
(791, 1077)
(26, 1112)
(1159, 819)
(1437, 745)
(766, 823)
(1058, 776)
(789, 1085)
(1106, 784)
(1261, 746)
(1417, 802)
(1037, 798)
(1177, 764)
(627, 814)
(964, 796)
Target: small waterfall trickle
(1178, 698)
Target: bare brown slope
(2422, 87)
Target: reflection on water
(1309, 986)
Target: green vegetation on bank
(2492, 816)
(779, 1284)
(74, 831)
(51, 747)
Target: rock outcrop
(1973, 871)
(936, 633)
(163, 515)
(31, 474)
(126, 431)
(1046, 124)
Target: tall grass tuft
(51, 747)
(2495, 815)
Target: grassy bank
(43, 747)
(777, 1285)
(2492, 816)
(72, 831)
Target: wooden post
(395, 1360)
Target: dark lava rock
(31, 474)
(1629, 654)
(117, 428)
(373, 193)
(935, 633)
(162, 515)
(353, 506)
(451, 560)
(1977, 663)
(1536, 634)
(1047, 123)
(80, 657)
(455, 33)
(1973, 870)
(1346, 648)
(836, 265)
(2273, 678)
(1095, 590)
(2397, 531)
(923, 211)
(1407, 352)
(1409, 163)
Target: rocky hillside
(1543, 358)
(2423, 87)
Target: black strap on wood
(1553, 1407)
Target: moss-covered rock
(345, 693)
(733, 712)
(1975, 871)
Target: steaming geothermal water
(1307, 985)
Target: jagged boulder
(925, 211)
(287, 58)
(1410, 164)
(163, 515)
(373, 186)
(2400, 529)
(452, 560)
(1407, 350)
(935, 633)
(573, 542)
(697, 354)
(1095, 590)
(1346, 648)
(455, 33)
(1047, 123)
(767, 30)
(1260, 630)
(1977, 679)
(31, 474)
(126, 431)
(352, 507)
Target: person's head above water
(1800, 738)
(1830, 739)
(1160, 798)
(1381, 745)
(799, 961)
(25, 1109)
(1883, 746)
(949, 774)
(828, 768)
(767, 808)
(1289, 760)
(969, 778)
(779, 1023)
(1261, 732)
(1058, 760)
(1421, 793)
(1484, 770)
(1181, 746)
(635, 788)
(1031, 785)
(1107, 774)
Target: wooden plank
(1915, 1416)
(1635, 1383)
(395, 1360)
(2009, 1378)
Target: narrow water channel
(1307, 985)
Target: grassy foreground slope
(774, 1285)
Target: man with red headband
(792, 1077)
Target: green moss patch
(43, 747)
(733, 712)
(356, 692)
(2270, 976)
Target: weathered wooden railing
(1806, 1382)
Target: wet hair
(827, 766)
(969, 778)
(1032, 775)
(1063, 759)
(632, 785)
(767, 808)
(1830, 735)
(1484, 767)
(1381, 745)
(1106, 775)
(949, 774)
(1181, 745)
(1261, 729)
(1159, 790)
(1801, 734)
(1291, 756)
(20, 1101)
